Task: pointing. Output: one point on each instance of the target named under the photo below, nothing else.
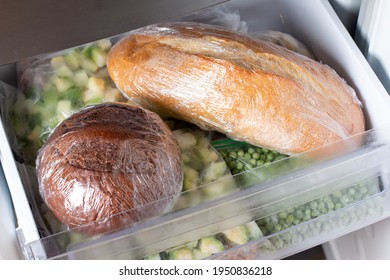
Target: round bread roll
(249, 89)
(109, 166)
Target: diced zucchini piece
(202, 141)
(72, 59)
(253, 230)
(99, 57)
(112, 95)
(62, 84)
(213, 155)
(205, 154)
(183, 253)
(217, 188)
(57, 61)
(185, 140)
(153, 257)
(81, 78)
(186, 158)
(236, 236)
(191, 177)
(89, 65)
(190, 173)
(214, 171)
(50, 97)
(64, 108)
(63, 71)
(19, 106)
(32, 107)
(87, 51)
(35, 134)
(210, 245)
(199, 255)
(177, 132)
(74, 95)
(93, 97)
(104, 44)
(96, 84)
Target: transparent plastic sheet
(8, 97)
(221, 15)
(56, 85)
(285, 40)
(257, 209)
(267, 236)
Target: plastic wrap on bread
(249, 89)
(109, 166)
(284, 40)
(56, 85)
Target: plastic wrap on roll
(109, 166)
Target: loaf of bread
(251, 90)
(109, 166)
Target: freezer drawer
(372, 38)
(352, 183)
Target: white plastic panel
(372, 36)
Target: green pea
(277, 227)
(315, 213)
(233, 154)
(296, 221)
(282, 215)
(298, 214)
(313, 204)
(232, 165)
(331, 206)
(289, 219)
(260, 162)
(338, 205)
(240, 166)
(269, 227)
(256, 156)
